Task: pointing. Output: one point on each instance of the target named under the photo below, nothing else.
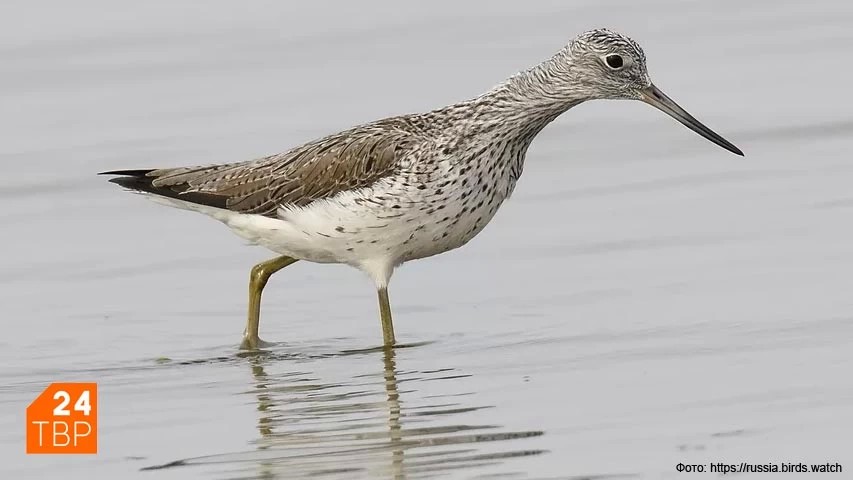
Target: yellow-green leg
(385, 316)
(258, 278)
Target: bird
(406, 187)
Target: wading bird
(406, 187)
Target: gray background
(644, 299)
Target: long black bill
(654, 97)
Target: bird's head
(609, 65)
(602, 64)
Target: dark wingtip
(128, 173)
(141, 181)
(132, 179)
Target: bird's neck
(528, 101)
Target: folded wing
(347, 161)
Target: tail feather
(143, 181)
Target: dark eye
(614, 61)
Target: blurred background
(644, 299)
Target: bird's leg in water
(258, 278)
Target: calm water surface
(644, 299)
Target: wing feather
(347, 161)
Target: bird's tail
(144, 181)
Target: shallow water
(644, 299)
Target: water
(644, 299)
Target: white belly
(330, 232)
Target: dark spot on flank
(444, 235)
(439, 191)
(374, 241)
(421, 187)
(439, 207)
(339, 229)
(395, 206)
(349, 249)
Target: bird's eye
(614, 61)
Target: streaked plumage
(411, 186)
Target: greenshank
(406, 187)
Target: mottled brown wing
(350, 160)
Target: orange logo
(64, 419)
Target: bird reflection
(265, 390)
(355, 427)
(394, 427)
(265, 469)
(342, 416)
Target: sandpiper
(406, 187)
